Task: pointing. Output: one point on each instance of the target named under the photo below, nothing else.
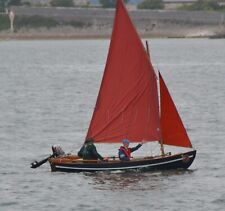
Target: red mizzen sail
(173, 131)
(127, 104)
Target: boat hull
(177, 161)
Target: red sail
(127, 104)
(173, 131)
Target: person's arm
(80, 153)
(94, 151)
(135, 148)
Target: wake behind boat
(128, 106)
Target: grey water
(47, 95)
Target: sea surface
(47, 95)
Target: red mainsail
(127, 104)
(173, 131)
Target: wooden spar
(147, 49)
(161, 141)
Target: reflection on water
(133, 180)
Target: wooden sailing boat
(128, 107)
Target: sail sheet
(173, 131)
(127, 105)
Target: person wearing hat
(125, 151)
(89, 152)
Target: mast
(161, 141)
(147, 49)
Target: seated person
(125, 151)
(57, 151)
(88, 151)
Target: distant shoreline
(64, 24)
(52, 37)
(92, 37)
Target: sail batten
(127, 104)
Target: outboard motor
(57, 151)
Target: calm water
(47, 94)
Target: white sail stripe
(120, 168)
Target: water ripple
(47, 96)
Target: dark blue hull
(177, 161)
